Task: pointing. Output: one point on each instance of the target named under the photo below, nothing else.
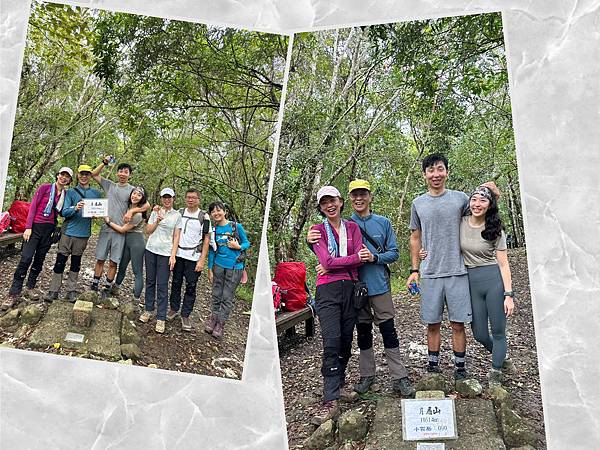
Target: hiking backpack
(276, 292)
(291, 278)
(205, 227)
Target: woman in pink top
(339, 254)
(45, 207)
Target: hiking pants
(133, 251)
(337, 317)
(34, 250)
(184, 268)
(380, 310)
(487, 300)
(225, 282)
(157, 283)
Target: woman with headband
(135, 244)
(483, 246)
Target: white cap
(66, 169)
(327, 190)
(167, 191)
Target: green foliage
(371, 102)
(185, 104)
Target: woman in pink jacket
(45, 207)
(340, 252)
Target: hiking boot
(146, 316)
(364, 384)
(210, 325)
(218, 330)
(160, 326)
(328, 410)
(171, 314)
(140, 302)
(94, 287)
(72, 296)
(114, 289)
(348, 396)
(403, 387)
(186, 324)
(508, 367)
(494, 378)
(460, 375)
(9, 301)
(434, 369)
(51, 296)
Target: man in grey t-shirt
(110, 242)
(442, 276)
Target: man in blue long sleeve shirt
(380, 308)
(74, 238)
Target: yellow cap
(84, 168)
(359, 184)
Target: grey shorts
(71, 245)
(379, 309)
(110, 243)
(452, 291)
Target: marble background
(553, 49)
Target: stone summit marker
(428, 419)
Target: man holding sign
(77, 229)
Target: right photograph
(397, 246)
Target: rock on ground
(131, 351)
(129, 333)
(516, 432)
(470, 388)
(472, 416)
(323, 437)
(31, 314)
(352, 425)
(433, 382)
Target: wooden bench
(287, 321)
(8, 241)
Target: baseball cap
(327, 190)
(167, 191)
(66, 169)
(359, 184)
(84, 168)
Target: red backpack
(276, 291)
(291, 278)
(18, 214)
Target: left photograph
(136, 189)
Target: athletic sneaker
(460, 375)
(51, 296)
(328, 410)
(403, 387)
(140, 302)
(146, 316)
(160, 326)
(186, 324)
(348, 396)
(171, 314)
(508, 367)
(364, 384)
(433, 369)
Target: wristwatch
(509, 294)
(414, 271)
(375, 258)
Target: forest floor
(194, 352)
(300, 360)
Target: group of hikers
(163, 239)
(458, 259)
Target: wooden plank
(10, 238)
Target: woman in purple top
(339, 251)
(45, 206)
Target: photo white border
(552, 52)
